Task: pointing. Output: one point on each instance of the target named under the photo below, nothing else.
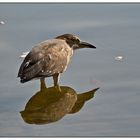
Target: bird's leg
(42, 83)
(56, 81)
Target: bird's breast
(57, 59)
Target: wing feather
(30, 66)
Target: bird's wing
(30, 66)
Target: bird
(50, 58)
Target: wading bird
(50, 58)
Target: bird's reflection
(51, 104)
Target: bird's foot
(58, 88)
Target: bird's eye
(78, 40)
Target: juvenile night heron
(50, 58)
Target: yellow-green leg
(56, 81)
(42, 84)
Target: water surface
(113, 28)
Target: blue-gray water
(113, 28)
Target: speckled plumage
(45, 59)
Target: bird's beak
(86, 45)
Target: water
(113, 28)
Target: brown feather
(45, 59)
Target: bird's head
(75, 42)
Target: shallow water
(113, 28)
